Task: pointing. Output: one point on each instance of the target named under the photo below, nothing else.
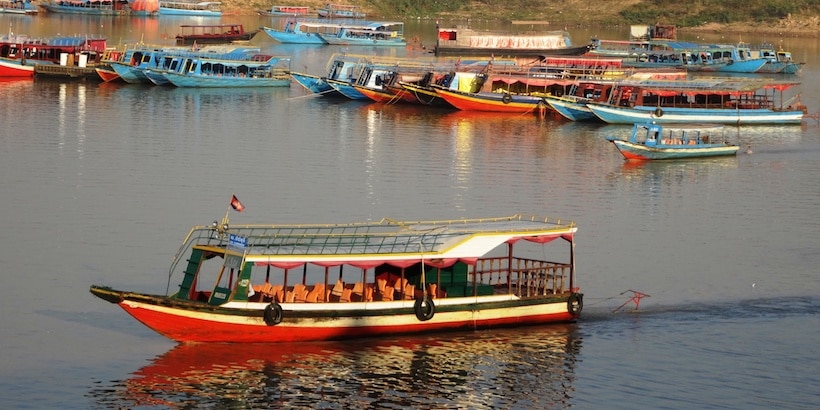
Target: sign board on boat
(235, 251)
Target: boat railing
(523, 277)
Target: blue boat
(258, 71)
(341, 67)
(347, 89)
(571, 107)
(652, 141)
(186, 8)
(310, 31)
(133, 63)
(714, 100)
(18, 7)
(91, 7)
(777, 61)
(694, 57)
(387, 33)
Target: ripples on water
(532, 368)
(657, 357)
(100, 181)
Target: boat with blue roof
(652, 141)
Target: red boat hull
(478, 102)
(213, 324)
(11, 68)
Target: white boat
(184, 8)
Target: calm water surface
(101, 182)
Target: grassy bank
(797, 17)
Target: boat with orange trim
(303, 282)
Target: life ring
(424, 308)
(273, 314)
(506, 98)
(575, 304)
(659, 112)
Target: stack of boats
(210, 66)
(578, 88)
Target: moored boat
(310, 31)
(278, 11)
(132, 66)
(213, 33)
(297, 283)
(340, 11)
(18, 7)
(190, 8)
(777, 61)
(254, 71)
(492, 101)
(382, 33)
(657, 142)
(713, 100)
(467, 42)
(92, 7)
(340, 67)
(20, 54)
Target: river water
(101, 181)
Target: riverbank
(570, 12)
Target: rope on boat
(311, 95)
(635, 298)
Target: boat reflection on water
(534, 365)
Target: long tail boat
(295, 283)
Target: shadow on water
(463, 370)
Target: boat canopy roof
(349, 23)
(375, 243)
(710, 85)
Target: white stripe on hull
(388, 319)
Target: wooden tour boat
(18, 7)
(465, 41)
(190, 8)
(213, 34)
(340, 11)
(19, 54)
(712, 100)
(655, 142)
(278, 11)
(90, 7)
(297, 283)
(380, 33)
(257, 70)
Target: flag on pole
(235, 204)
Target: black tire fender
(424, 308)
(273, 314)
(575, 304)
(506, 98)
(659, 112)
